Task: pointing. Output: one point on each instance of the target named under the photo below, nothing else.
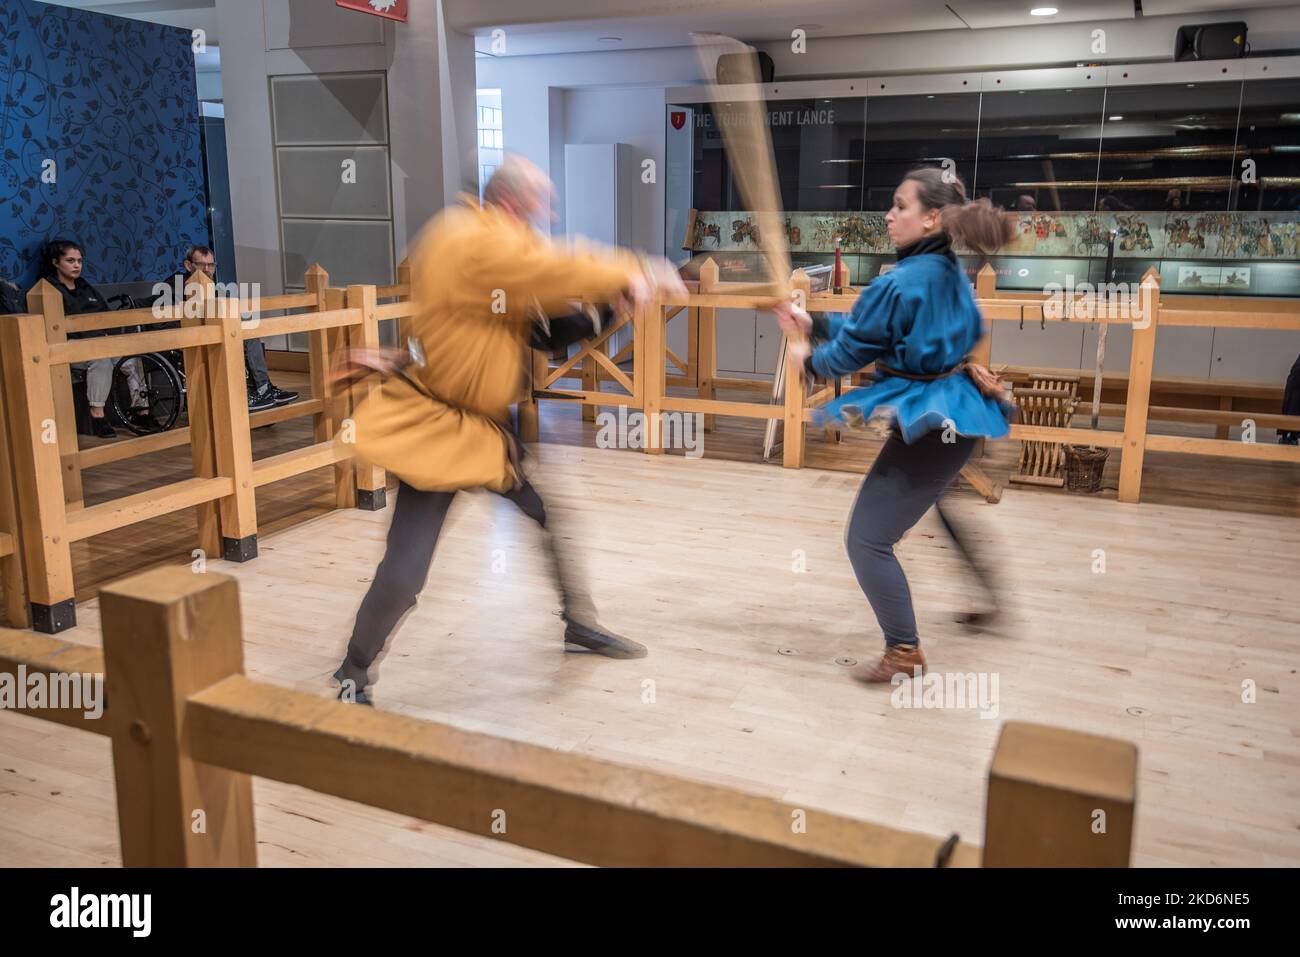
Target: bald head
(520, 188)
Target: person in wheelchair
(262, 392)
(61, 266)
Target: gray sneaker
(582, 638)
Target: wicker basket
(1084, 467)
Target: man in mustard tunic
(479, 276)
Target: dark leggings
(412, 537)
(905, 481)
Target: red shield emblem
(678, 118)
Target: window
(491, 143)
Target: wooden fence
(189, 730)
(42, 509)
(1145, 310)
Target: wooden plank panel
(41, 654)
(167, 634)
(355, 476)
(95, 321)
(13, 583)
(1227, 448)
(134, 343)
(148, 444)
(748, 410)
(273, 468)
(142, 506)
(1044, 433)
(45, 300)
(38, 484)
(230, 430)
(393, 310)
(565, 804)
(203, 447)
(1141, 361)
(297, 300)
(303, 322)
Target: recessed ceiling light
(611, 39)
(1116, 118)
(1043, 12)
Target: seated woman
(61, 266)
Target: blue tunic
(920, 318)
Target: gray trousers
(412, 537)
(255, 359)
(99, 381)
(905, 481)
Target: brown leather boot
(897, 659)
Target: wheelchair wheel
(162, 389)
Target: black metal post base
(52, 619)
(239, 549)
(372, 499)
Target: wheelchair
(162, 376)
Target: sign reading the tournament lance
(705, 119)
(391, 9)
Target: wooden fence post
(796, 390)
(231, 435)
(404, 279)
(336, 407)
(708, 338)
(47, 554)
(48, 302)
(168, 634)
(1059, 798)
(986, 281)
(13, 611)
(197, 308)
(370, 492)
(529, 406)
(650, 316)
(1141, 361)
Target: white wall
(634, 117)
(264, 38)
(608, 97)
(533, 115)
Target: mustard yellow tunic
(476, 275)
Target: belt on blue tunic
(923, 376)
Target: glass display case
(1200, 181)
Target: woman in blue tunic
(917, 323)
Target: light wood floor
(695, 558)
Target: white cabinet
(1263, 355)
(1058, 346)
(736, 335)
(767, 342)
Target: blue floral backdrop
(112, 102)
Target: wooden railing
(1145, 311)
(189, 730)
(46, 463)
